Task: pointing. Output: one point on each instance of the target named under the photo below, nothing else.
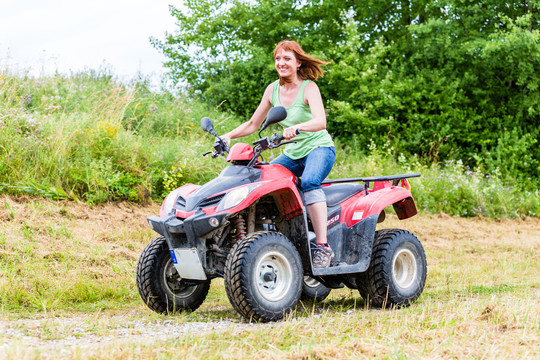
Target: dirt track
(54, 335)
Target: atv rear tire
(159, 284)
(397, 273)
(263, 276)
(312, 290)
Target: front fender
(375, 202)
(183, 191)
(283, 191)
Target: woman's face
(286, 63)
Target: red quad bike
(250, 226)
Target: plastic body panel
(240, 152)
(352, 219)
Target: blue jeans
(312, 169)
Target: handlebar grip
(278, 138)
(281, 137)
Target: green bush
(451, 187)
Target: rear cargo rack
(366, 180)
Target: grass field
(67, 291)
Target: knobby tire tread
(237, 281)
(233, 284)
(148, 287)
(373, 282)
(145, 269)
(377, 289)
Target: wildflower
(109, 129)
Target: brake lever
(223, 144)
(287, 142)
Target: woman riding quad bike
(250, 226)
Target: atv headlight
(169, 202)
(235, 197)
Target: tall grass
(88, 138)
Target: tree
(444, 78)
(223, 48)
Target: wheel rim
(404, 268)
(274, 276)
(311, 282)
(173, 282)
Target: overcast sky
(44, 36)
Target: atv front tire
(397, 273)
(263, 276)
(159, 284)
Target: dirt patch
(54, 335)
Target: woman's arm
(312, 96)
(249, 127)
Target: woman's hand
(226, 138)
(291, 132)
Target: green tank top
(299, 113)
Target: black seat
(340, 192)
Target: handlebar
(277, 138)
(220, 146)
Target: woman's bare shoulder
(268, 92)
(312, 86)
(311, 92)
